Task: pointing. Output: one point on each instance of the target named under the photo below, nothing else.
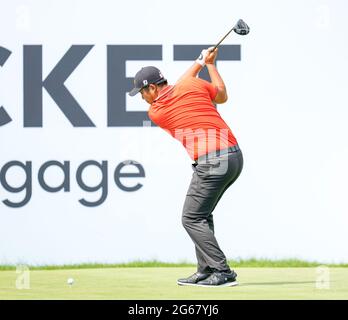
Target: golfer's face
(145, 96)
(148, 94)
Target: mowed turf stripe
(160, 283)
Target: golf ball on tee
(70, 281)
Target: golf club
(240, 28)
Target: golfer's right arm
(215, 78)
(207, 58)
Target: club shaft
(222, 39)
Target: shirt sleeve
(213, 90)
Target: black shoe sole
(186, 283)
(227, 284)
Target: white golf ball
(70, 281)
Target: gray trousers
(210, 179)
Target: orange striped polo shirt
(186, 111)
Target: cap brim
(134, 91)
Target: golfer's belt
(217, 153)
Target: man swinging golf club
(186, 110)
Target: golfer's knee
(186, 221)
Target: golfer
(187, 111)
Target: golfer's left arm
(197, 66)
(192, 71)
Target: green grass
(133, 264)
(240, 263)
(160, 283)
(258, 278)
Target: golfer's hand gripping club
(201, 59)
(207, 56)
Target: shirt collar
(163, 92)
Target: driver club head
(241, 28)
